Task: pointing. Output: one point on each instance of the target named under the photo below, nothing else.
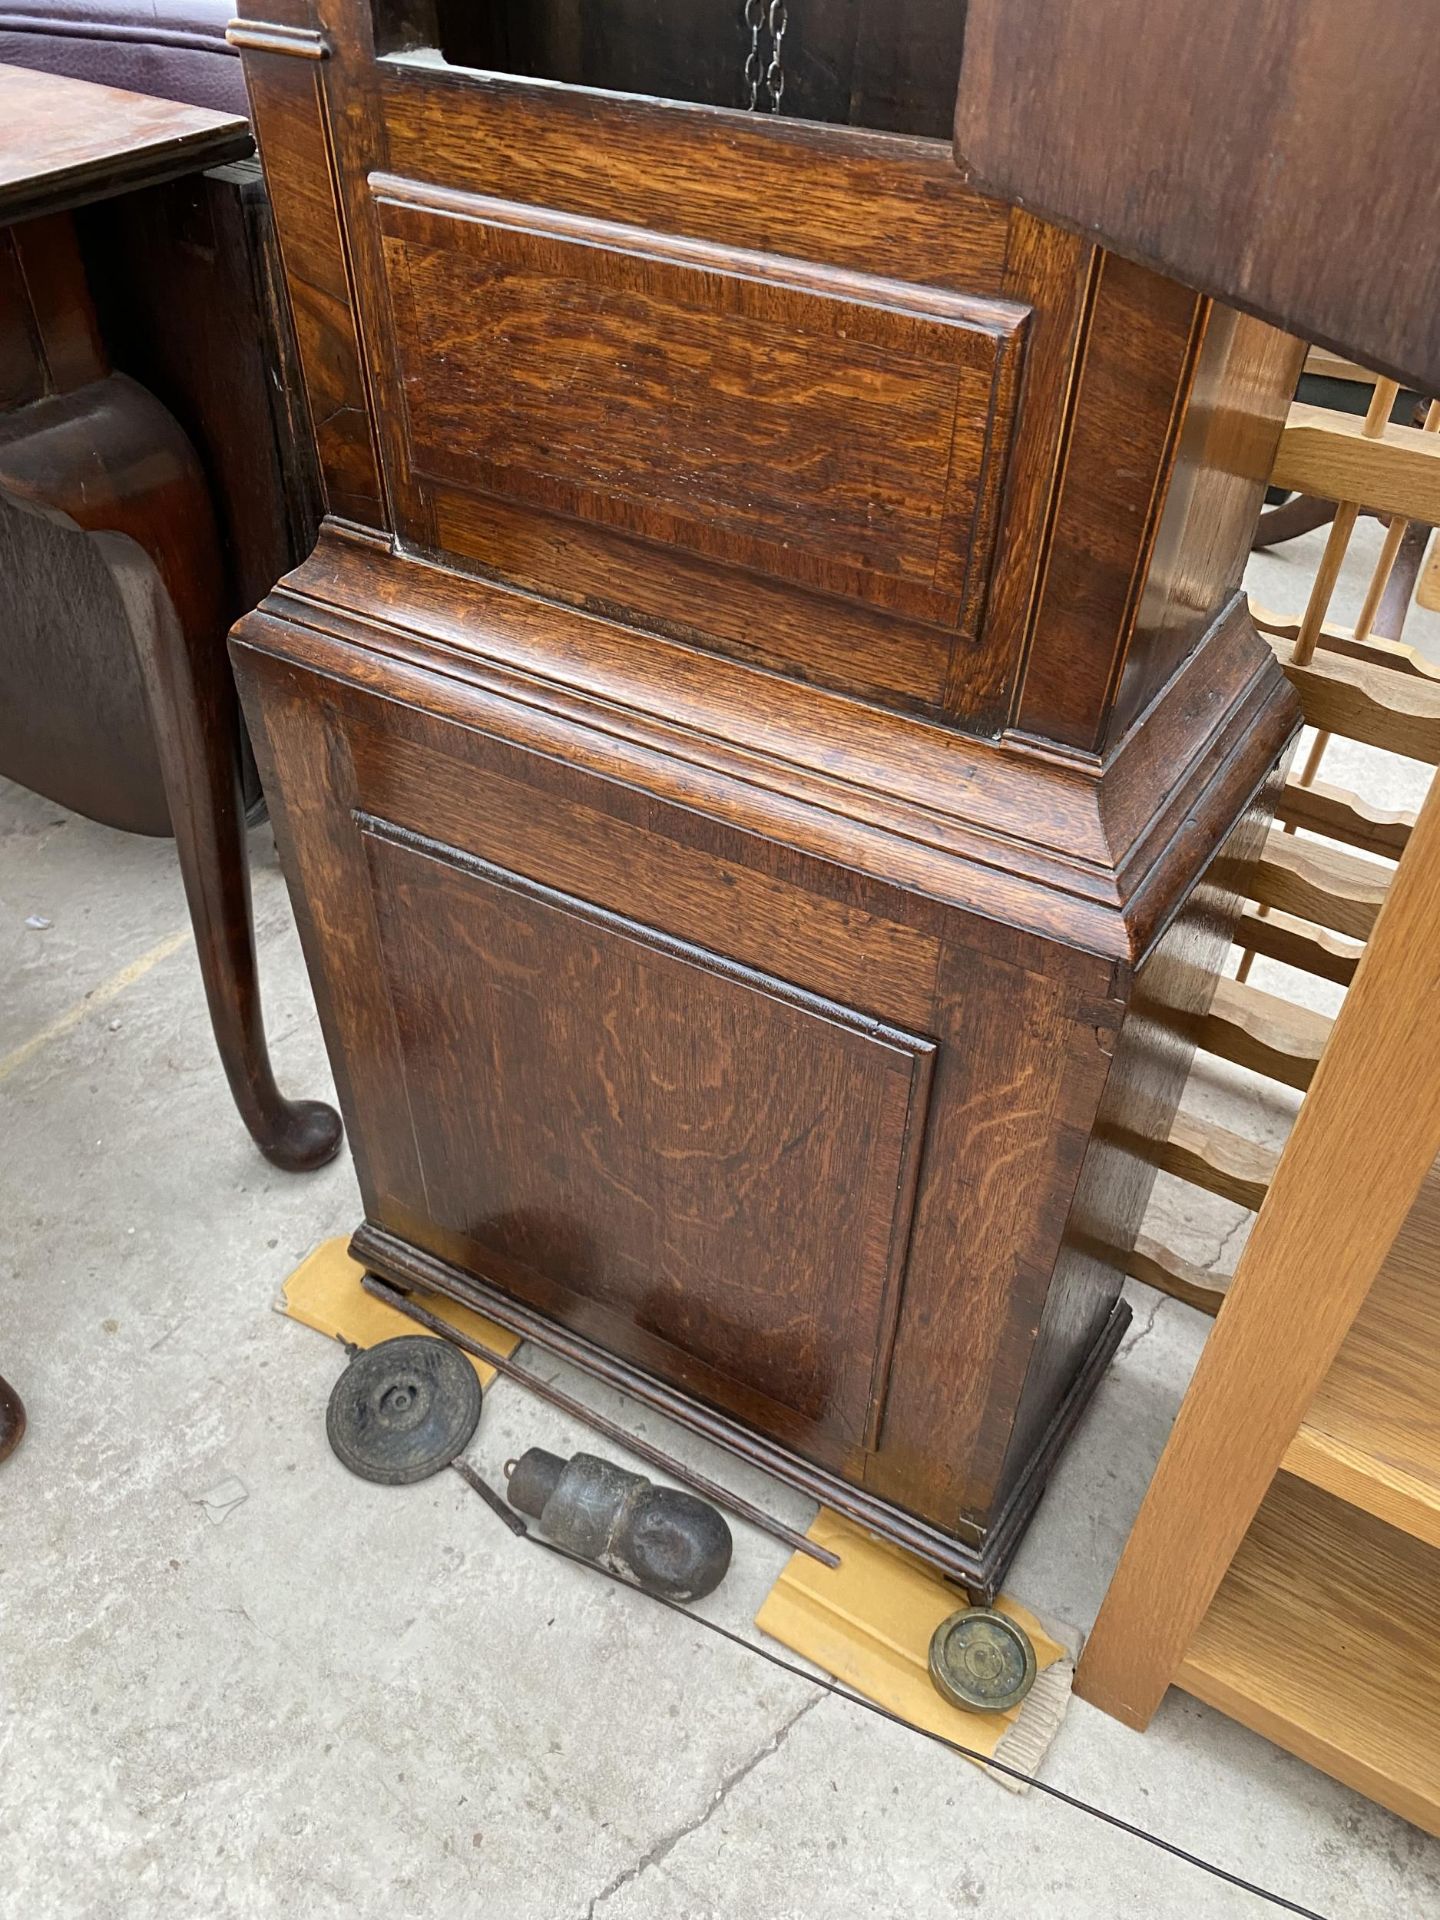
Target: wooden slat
(1326, 365)
(1260, 1031)
(1298, 944)
(1372, 1435)
(1366, 703)
(1322, 1638)
(1319, 883)
(1398, 535)
(1218, 1160)
(1344, 816)
(1394, 655)
(1328, 454)
(1171, 1273)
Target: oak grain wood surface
(1236, 178)
(1341, 815)
(803, 200)
(1367, 703)
(1263, 1032)
(1222, 1162)
(1169, 1272)
(752, 766)
(1362, 1145)
(1427, 594)
(858, 461)
(796, 1151)
(1372, 1433)
(1394, 655)
(60, 148)
(1279, 936)
(1330, 456)
(1322, 1637)
(1320, 883)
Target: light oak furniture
(753, 746)
(1285, 1565)
(130, 296)
(1315, 891)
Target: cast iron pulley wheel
(403, 1410)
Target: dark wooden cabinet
(760, 750)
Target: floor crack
(1236, 1226)
(1133, 1340)
(663, 1847)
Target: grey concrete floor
(338, 1699)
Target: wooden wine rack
(1285, 1566)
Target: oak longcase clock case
(764, 745)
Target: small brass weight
(981, 1659)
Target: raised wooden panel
(876, 206)
(656, 1146)
(831, 428)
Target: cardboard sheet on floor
(869, 1621)
(324, 1292)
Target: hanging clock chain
(779, 19)
(765, 18)
(754, 59)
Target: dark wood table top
(65, 142)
